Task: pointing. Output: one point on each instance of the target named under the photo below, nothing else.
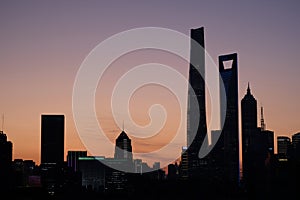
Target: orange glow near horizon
(43, 44)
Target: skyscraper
(195, 137)
(267, 134)
(249, 112)
(249, 130)
(5, 161)
(257, 147)
(52, 139)
(296, 146)
(270, 140)
(5, 150)
(184, 164)
(296, 140)
(283, 146)
(123, 149)
(229, 109)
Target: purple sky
(43, 44)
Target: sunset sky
(43, 44)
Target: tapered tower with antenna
(5, 159)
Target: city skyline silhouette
(221, 167)
(47, 47)
(39, 48)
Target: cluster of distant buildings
(80, 171)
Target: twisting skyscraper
(195, 137)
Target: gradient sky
(43, 44)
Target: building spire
(262, 121)
(248, 89)
(2, 123)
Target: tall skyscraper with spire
(257, 146)
(249, 111)
(195, 137)
(123, 148)
(249, 131)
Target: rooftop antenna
(262, 122)
(2, 122)
(123, 126)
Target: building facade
(72, 158)
(123, 148)
(229, 109)
(249, 131)
(52, 139)
(283, 147)
(6, 149)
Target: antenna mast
(123, 126)
(2, 122)
(262, 122)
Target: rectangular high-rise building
(296, 147)
(5, 161)
(283, 145)
(229, 117)
(52, 139)
(270, 140)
